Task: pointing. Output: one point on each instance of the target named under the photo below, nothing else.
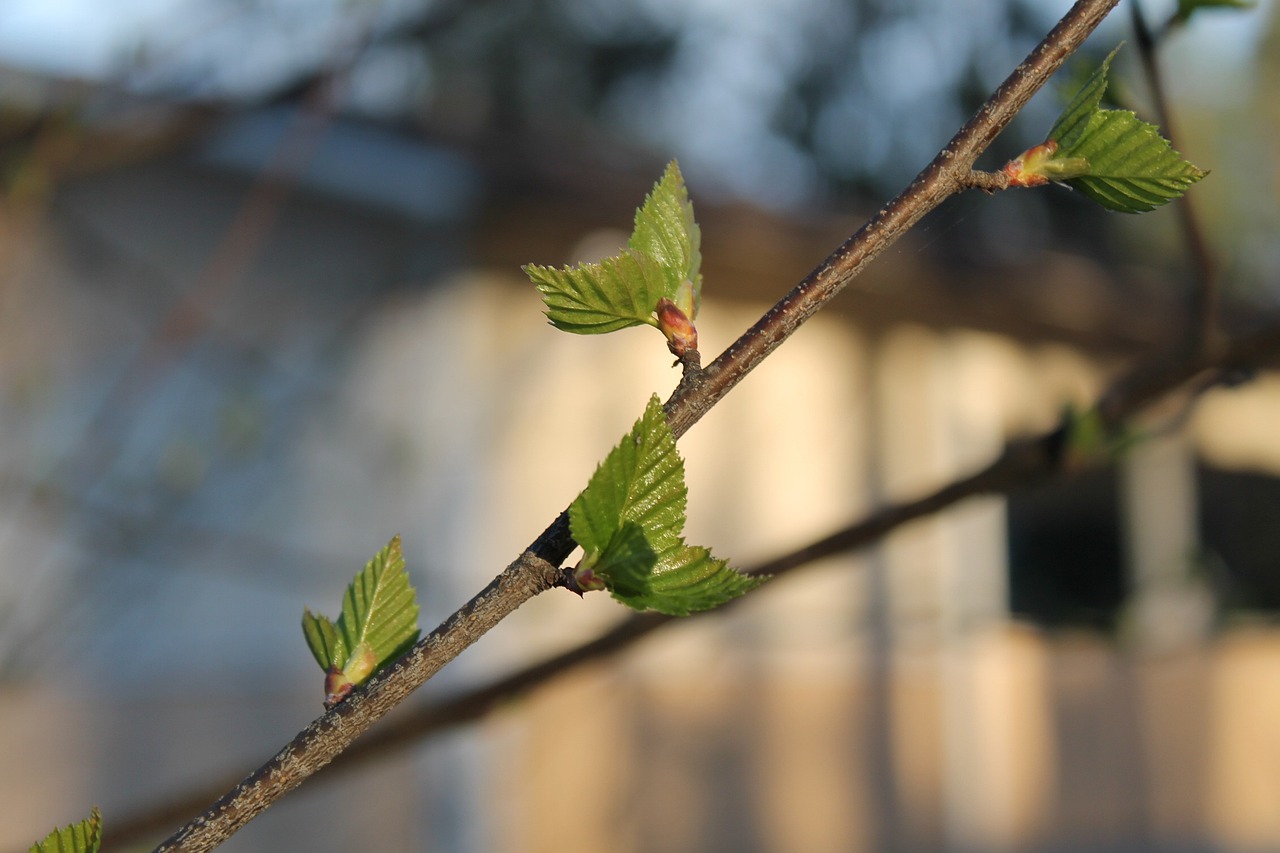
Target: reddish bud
(586, 580)
(336, 686)
(1025, 170)
(339, 682)
(681, 334)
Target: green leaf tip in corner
(379, 622)
(1110, 155)
(1186, 8)
(82, 837)
(629, 520)
(661, 261)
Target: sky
(732, 58)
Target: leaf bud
(1027, 169)
(681, 334)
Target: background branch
(1203, 305)
(1022, 463)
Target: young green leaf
(592, 299)
(660, 263)
(323, 640)
(1074, 121)
(628, 521)
(379, 622)
(684, 579)
(1112, 156)
(82, 837)
(642, 481)
(666, 231)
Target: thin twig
(317, 745)
(1203, 305)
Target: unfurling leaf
(666, 231)
(661, 262)
(1110, 155)
(379, 622)
(323, 640)
(629, 520)
(82, 837)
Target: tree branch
(536, 569)
(946, 175)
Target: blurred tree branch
(1203, 308)
(1022, 463)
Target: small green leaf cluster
(629, 519)
(82, 837)
(1089, 440)
(1110, 155)
(661, 261)
(379, 622)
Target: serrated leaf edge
(82, 837)
(667, 212)
(383, 583)
(1090, 139)
(379, 617)
(662, 260)
(615, 293)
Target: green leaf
(629, 519)
(1074, 121)
(323, 640)
(627, 559)
(82, 837)
(662, 260)
(1186, 8)
(666, 231)
(1112, 156)
(379, 609)
(591, 299)
(684, 580)
(379, 622)
(642, 481)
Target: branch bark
(536, 570)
